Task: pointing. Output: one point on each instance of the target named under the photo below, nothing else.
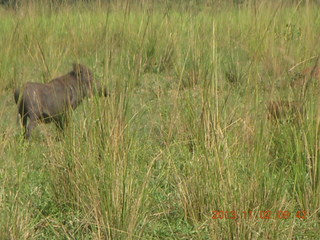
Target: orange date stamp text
(264, 214)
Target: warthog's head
(49, 102)
(85, 77)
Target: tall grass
(184, 132)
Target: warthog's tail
(16, 99)
(16, 95)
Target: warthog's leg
(61, 123)
(24, 119)
(32, 124)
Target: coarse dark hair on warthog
(50, 102)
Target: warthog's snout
(49, 102)
(100, 90)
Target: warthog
(285, 110)
(306, 76)
(51, 101)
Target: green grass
(184, 133)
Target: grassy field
(184, 133)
